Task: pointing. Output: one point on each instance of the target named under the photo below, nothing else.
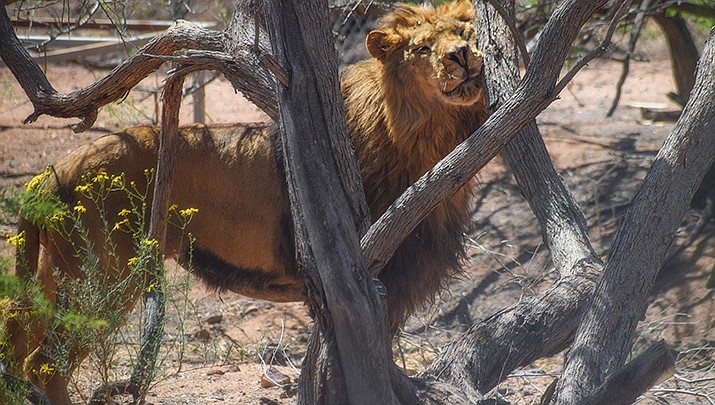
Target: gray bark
(349, 314)
(648, 369)
(153, 296)
(539, 326)
(563, 225)
(647, 230)
(536, 327)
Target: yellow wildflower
(117, 181)
(119, 224)
(58, 216)
(132, 261)
(32, 184)
(173, 207)
(101, 176)
(124, 212)
(47, 369)
(79, 208)
(18, 240)
(150, 242)
(82, 188)
(189, 212)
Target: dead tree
(605, 336)
(349, 355)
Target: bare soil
(601, 159)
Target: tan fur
(406, 109)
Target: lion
(407, 107)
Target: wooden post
(199, 97)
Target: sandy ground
(601, 159)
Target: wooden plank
(62, 41)
(76, 53)
(104, 23)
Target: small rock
(215, 371)
(273, 377)
(289, 392)
(202, 334)
(249, 310)
(213, 319)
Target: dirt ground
(229, 341)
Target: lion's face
(435, 50)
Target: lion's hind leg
(40, 372)
(24, 329)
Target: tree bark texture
(683, 52)
(647, 230)
(563, 225)
(153, 297)
(488, 352)
(532, 95)
(651, 367)
(349, 314)
(536, 327)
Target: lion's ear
(379, 43)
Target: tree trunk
(605, 337)
(683, 53)
(491, 350)
(350, 361)
(563, 225)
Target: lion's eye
(467, 33)
(423, 50)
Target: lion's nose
(460, 56)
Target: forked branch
(86, 102)
(620, 300)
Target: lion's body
(401, 123)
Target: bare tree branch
(647, 230)
(85, 103)
(638, 24)
(536, 327)
(595, 52)
(153, 296)
(242, 68)
(563, 225)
